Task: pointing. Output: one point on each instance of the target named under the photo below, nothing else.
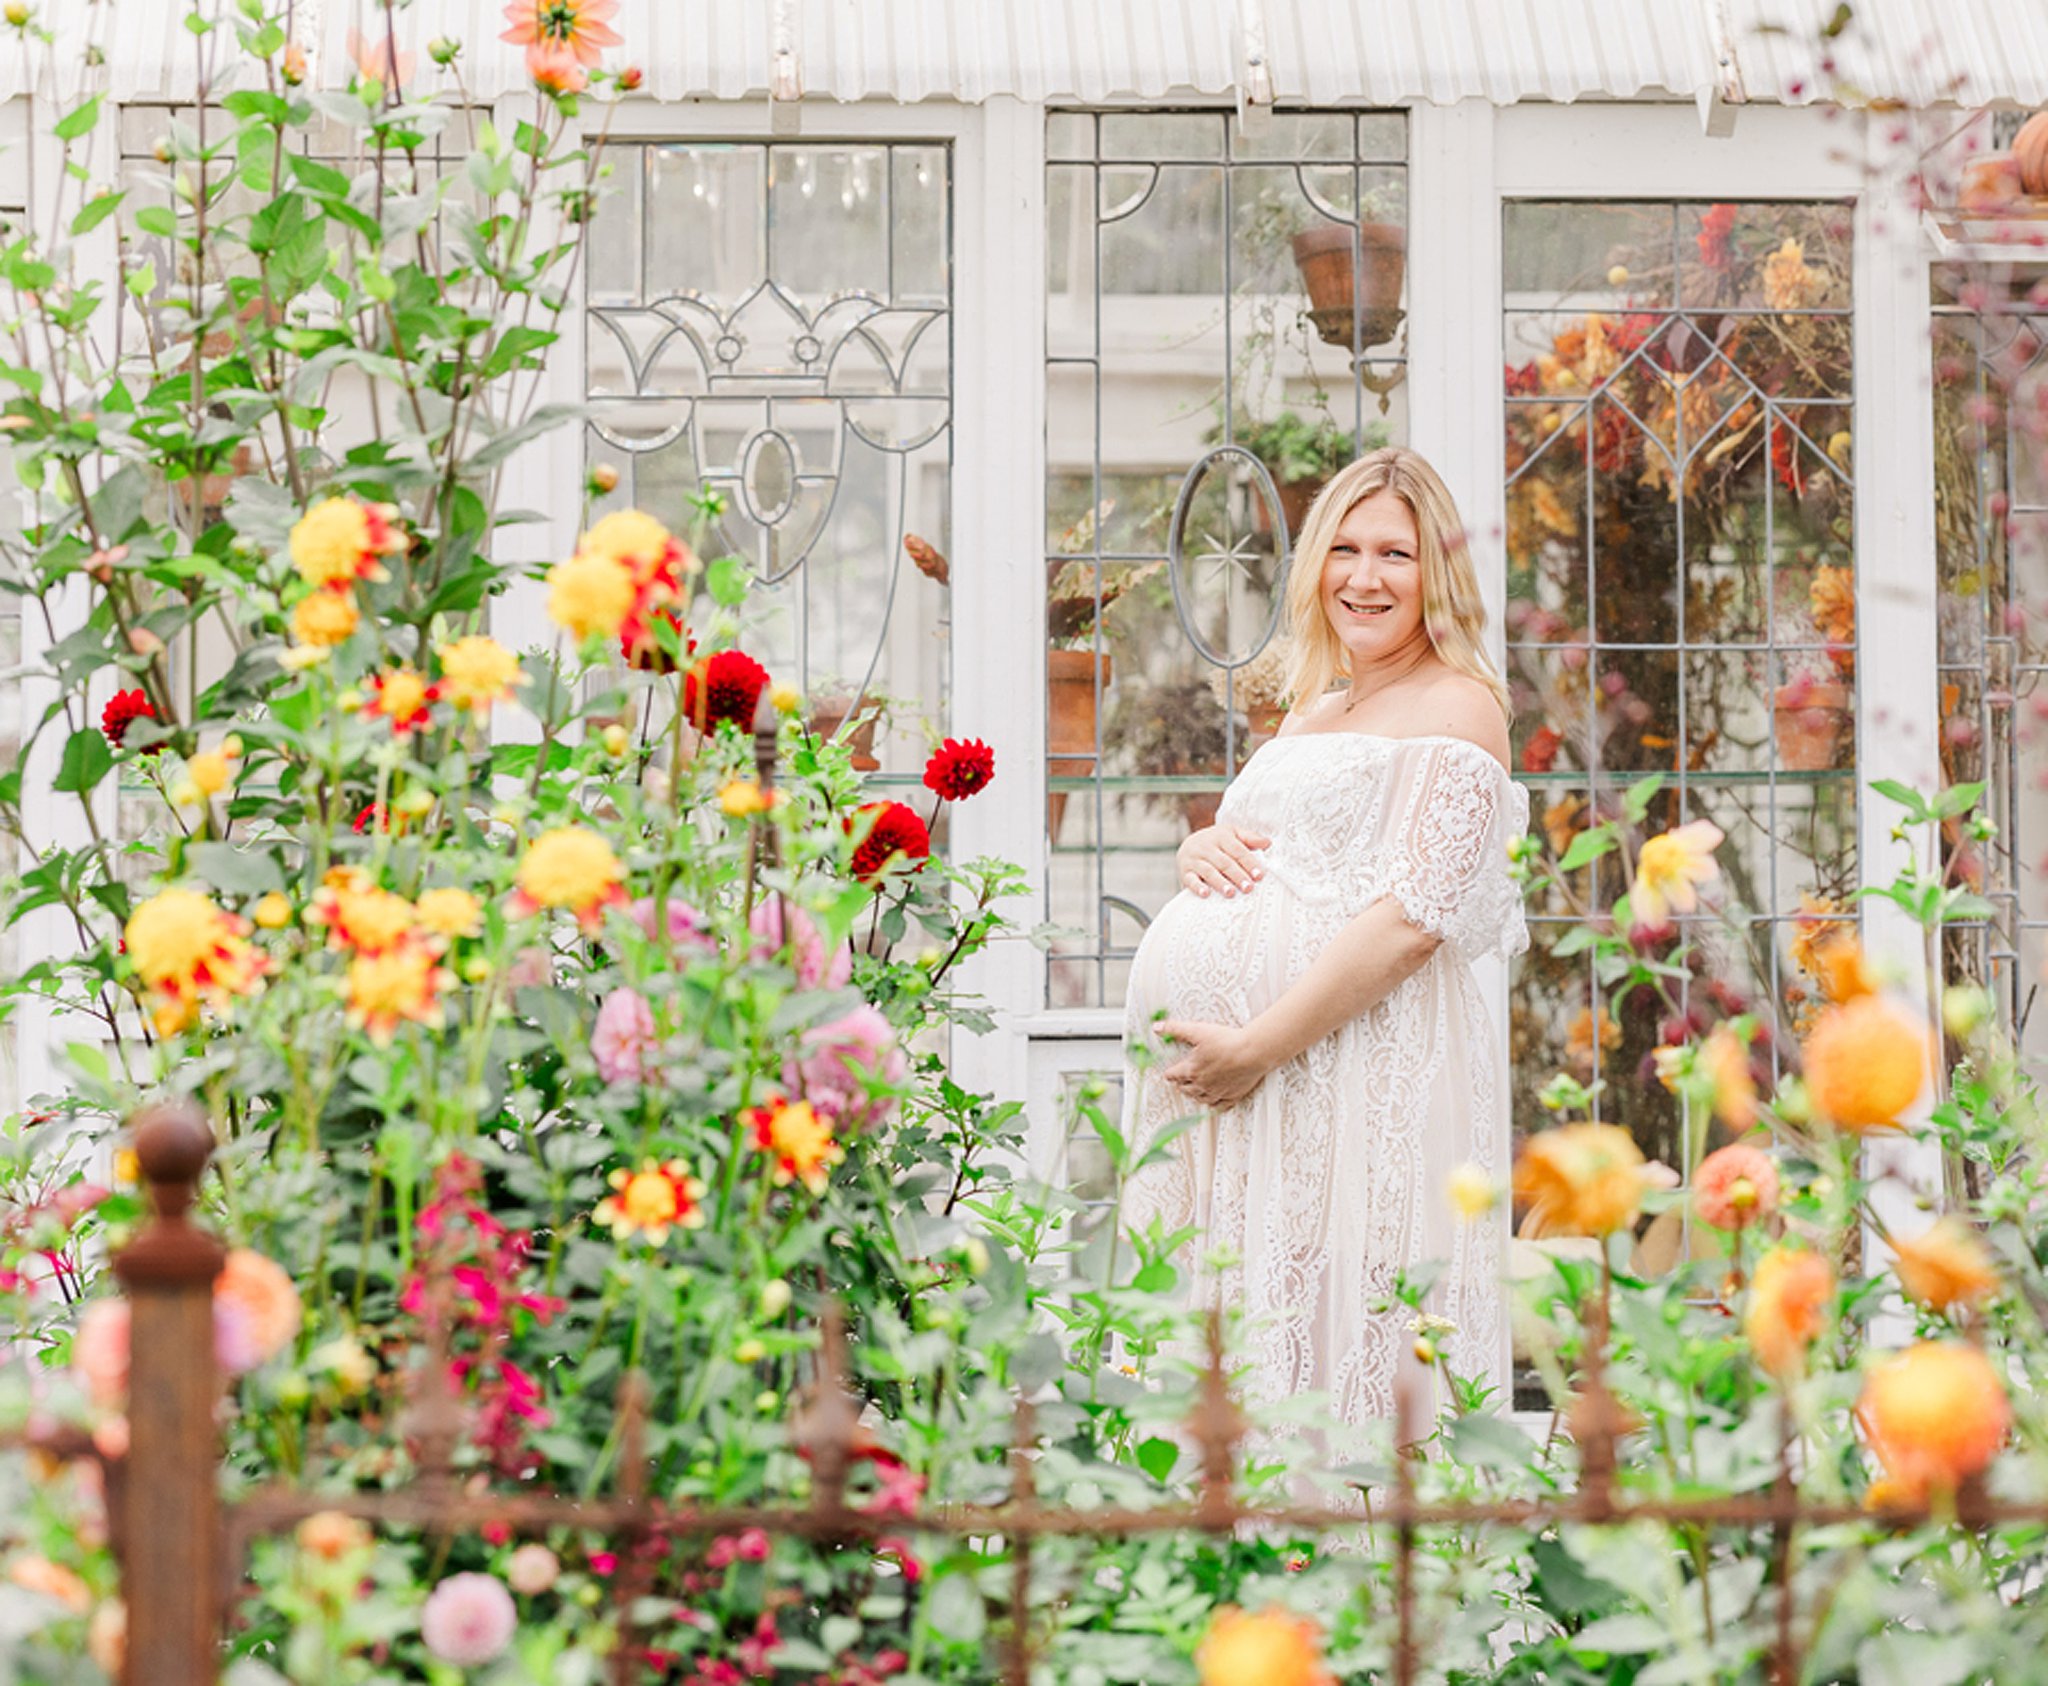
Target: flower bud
(1964, 1009)
(231, 746)
(977, 1254)
(603, 478)
(144, 642)
(416, 803)
(617, 740)
(775, 1297)
(1618, 275)
(1425, 1350)
(477, 969)
(786, 698)
(749, 1351)
(442, 50)
(273, 911)
(767, 1400)
(17, 13)
(631, 77)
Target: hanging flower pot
(1323, 255)
(1810, 719)
(1073, 680)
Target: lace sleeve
(1443, 856)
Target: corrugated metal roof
(1970, 52)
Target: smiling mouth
(1365, 608)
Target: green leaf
(1637, 802)
(78, 119)
(87, 760)
(236, 872)
(1958, 799)
(95, 212)
(1622, 1635)
(1588, 847)
(159, 220)
(1483, 1442)
(1906, 797)
(1157, 1456)
(727, 580)
(954, 1609)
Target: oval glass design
(1227, 556)
(768, 478)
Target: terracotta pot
(1071, 684)
(1265, 720)
(828, 714)
(1295, 498)
(1809, 723)
(1199, 807)
(1323, 255)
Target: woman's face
(1372, 581)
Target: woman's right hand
(1221, 858)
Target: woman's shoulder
(1456, 706)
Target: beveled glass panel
(704, 230)
(1603, 256)
(1152, 135)
(828, 222)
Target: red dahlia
(960, 768)
(123, 709)
(642, 646)
(896, 831)
(726, 686)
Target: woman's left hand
(1219, 1067)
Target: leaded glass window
(1680, 600)
(1991, 523)
(773, 324)
(1224, 329)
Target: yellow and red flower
(799, 1142)
(451, 912)
(572, 868)
(477, 672)
(1274, 1647)
(324, 618)
(341, 540)
(359, 913)
(402, 696)
(591, 595)
(1580, 1179)
(1788, 1300)
(652, 1201)
(188, 952)
(1669, 872)
(402, 984)
(1935, 1415)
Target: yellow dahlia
(323, 619)
(402, 696)
(1669, 871)
(573, 868)
(451, 912)
(477, 671)
(591, 595)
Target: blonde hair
(1452, 613)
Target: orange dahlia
(1945, 1266)
(798, 1141)
(358, 913)
(1864, 1063)
(1735, 1187)
(1788, 1300)
(1580, 1179)
(570, 867)
(1670, 870)
(652, 1201)
(1274, 1647)
(402, 984)
(1935, 1415)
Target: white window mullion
(998, 580)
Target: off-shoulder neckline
(1420, 737)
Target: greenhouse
(647, 649)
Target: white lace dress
(1330, 1177)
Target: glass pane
(1247, 331)
(788, 348)
(1681, 589)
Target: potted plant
(1174, 730)
(1300, 452)
(1371, 283)
(1257, 689)
(830, 711)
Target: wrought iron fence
(181, 1547)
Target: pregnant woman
(1308, 996)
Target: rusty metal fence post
(170, 1525)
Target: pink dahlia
(624, 1033)
(841, 1064)
(817, 965)
(468, 1620)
